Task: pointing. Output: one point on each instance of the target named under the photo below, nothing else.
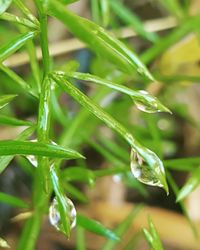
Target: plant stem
(41, 188)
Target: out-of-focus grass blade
(74, 192)
(13, 121)
(8, 147)
(80, 238)
(78, 174)
(13, 201)
(175, 189)
(95, 8)
(3, 243)
(152, 237)
(191, 24)
(4, 4)
(62, 206)
(151, 104)
(174, 7)
(183, 164)
(191, 184)
(99, 40)
(5, 160)
(105, 12)
(123, 227)
(95, 227)
(130, 18)
(13, 45)
(68, 1)
(155, 165)
(5, 99)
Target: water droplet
(54, 215)
(117, 178)
(143, 172)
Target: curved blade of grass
(123, 227)
(15, 147)
(155, 164)
(13, 45)
(13, 121)
(95, 227)
(78, 174)
(18, 20)
(3, 243)
(130, 18)
(13, 201)
(151, 103)
(62, 206)
(99, 40)
(5, 99)
(4, 4)
(191, 184)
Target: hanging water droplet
(143, 172)
(148, 103)
(54, 215)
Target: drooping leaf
(143, 100)
(99, 40)
(4, 4)
(13, 45)
(191, 184)
(5, 99)
(14, 147)
(95, 227)
(151, 174)
(13, 201)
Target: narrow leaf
(123, 227)
(13, 201)
(15, 147)
(8, 49)
(191, 184)
(4, 4)
(154, 173)
(144, 101)
(5, 99)
(99, 40)
(13, 121)
(95, 227)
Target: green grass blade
(5, 99)
(14, 147)
(183, 164)
(105, 12)
(18, 20)
(191, 184)
(174, 7)
(123, 227)
(155, 165)
(80, 238)
(130, 18)
(99, 40)
(4, 4)
(150, 104)
(74, 192)
(13, 45)
(13, 201)
(6, 120)
(95, 227)
(78, 174)
(62, 206)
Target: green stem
(41, 188)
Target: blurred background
(152, 28)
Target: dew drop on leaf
(143, 172)
(54, 214)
